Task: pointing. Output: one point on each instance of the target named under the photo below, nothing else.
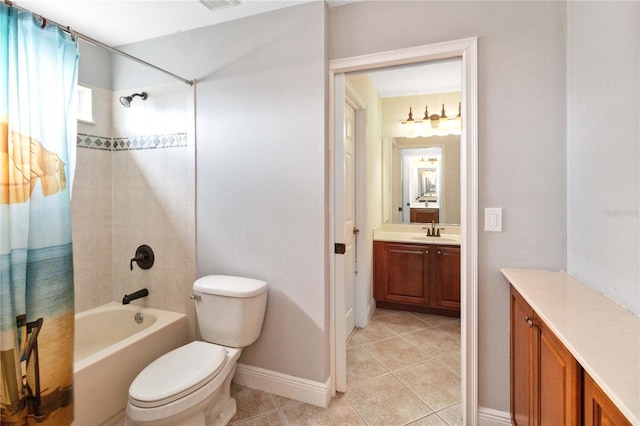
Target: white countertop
(417, 234)
(432, 205)
(602, 336)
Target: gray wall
(261, 129)
(261, 101)
(522, 158)
(602, 144)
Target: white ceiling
(116, 22)
(120, 22)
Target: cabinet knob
(529, 321)
(426, 252)
(439, 252)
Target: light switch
(493, 219)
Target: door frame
(467, 50)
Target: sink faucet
(135, 295)
(433, 231)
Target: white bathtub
(111, 349)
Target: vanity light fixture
(432, 125)
(410, 125)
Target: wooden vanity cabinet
(598, 408)
(417, 277)
(447, 277)
(406, 275)
(545, 377)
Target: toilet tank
(230, 310)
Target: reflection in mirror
(428, 184)
(421, 184)
(425, 179)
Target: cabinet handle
(426, 252)
(529, 321)
(439, 252)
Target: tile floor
(404, 368)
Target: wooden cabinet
(447, 276)
(424, 215)
(545, 377)
(598, 408)
(417, 277)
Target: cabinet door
(559, 381)
(402, 272)
(523, 342)
(446, 284)
(598, 408)
(426, 215)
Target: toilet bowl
(191, 384)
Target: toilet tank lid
(226, 285)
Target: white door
(350, 230)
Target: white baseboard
(491, 417)
(371, 308)
(304, 390)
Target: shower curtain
(38, 75)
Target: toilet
(191, 384)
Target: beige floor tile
(376, 330)
(452, 415)
(396, 353)
(339, 412)
(270, 419)
(452, 362)
(284, 402)
(430, 420)
(251, 402)
(433, 320)
(402, 322)
(436, 386)
(452, 326)
(435, 342)
(361, 367)
(385, 401)
(380, 312)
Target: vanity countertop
(431, 205)
(601, 335)
(417, 234)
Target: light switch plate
(493, 219)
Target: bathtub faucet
(135, 295)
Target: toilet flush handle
(195, 296)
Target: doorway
(467, 50)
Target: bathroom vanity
(574, 353)
(416, 272)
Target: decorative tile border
(171, 140)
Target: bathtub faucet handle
(139, 258)
(144, 257)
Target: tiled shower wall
(135, 184)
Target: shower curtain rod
(88, 39)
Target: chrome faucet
(433, 231)
(135, 295)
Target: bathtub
(111, 348)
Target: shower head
(126, 100)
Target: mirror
(417, 184)
(428, 185)
(425, 92)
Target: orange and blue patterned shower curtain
(38, 75)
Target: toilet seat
(176, 374)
